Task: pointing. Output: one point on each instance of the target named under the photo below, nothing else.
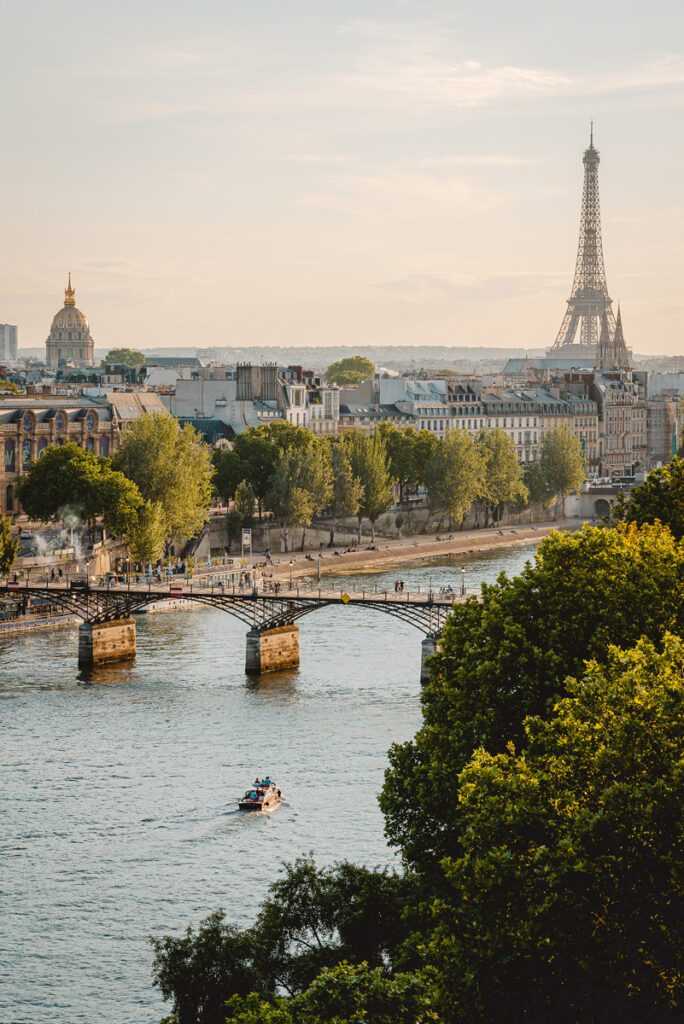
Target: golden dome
(69, 318)
(70, 338)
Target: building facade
(29, 426)
(8, 343)
(69, 340)
(524, 414)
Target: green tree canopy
(312, 919)
(8, 545)
(506, 657)
(350, 371)
(661, 497)
(147, 534)
(345, 994)
(69, 477)
(369, 464)
(562, 464)
(564, 902)
(347, 489)
(502, 477)
(290, 502)
(127, 356)
(454, 476)
(172, 467)
(409, 452)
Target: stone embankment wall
(396, 524)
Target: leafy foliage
(562, 904)
(312, 920)
(502, 477)
(350, 371)
(147, 534)
(345, 994)
(506, 657)
(8, 545)
(369, 464)
(172, 467)
(562, 464)
(454, 476)
(660, 497)
(347, 489)
(409, 452)
(69, 476)
(127, 356)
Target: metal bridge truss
(259, 611)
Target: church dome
(69, 318)
(70, 339)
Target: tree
(562, 463)
(660, 497)
(8, 545)
(368, 457)
(538, 492)
(312, 919)
(401, 453)
(502, 479)
(229, 470)
(506, 656)
(68, 476)
(347, 489)
(564, 902)
(290, 502)
(257, 455)
(345, 994)
(147, 535)
(127, 356)
(454, 476)
(10, 388)
(350, 371)
(244, 503)
(170, 466)
(200, 970)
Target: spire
(69, 294)
(620, 350)
(604, 352)
(591, 135)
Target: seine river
(117, 799)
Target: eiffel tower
(589, 304)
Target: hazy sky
(336, 172)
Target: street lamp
(463, 589)
(319, 566)
(88, 571)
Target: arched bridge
(108, 631)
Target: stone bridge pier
(272, 650)
(102, 643)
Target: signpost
(247, 543)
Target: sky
(330, 172)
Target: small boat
(264, 796)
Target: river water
(117, 797)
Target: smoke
(73, 525)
